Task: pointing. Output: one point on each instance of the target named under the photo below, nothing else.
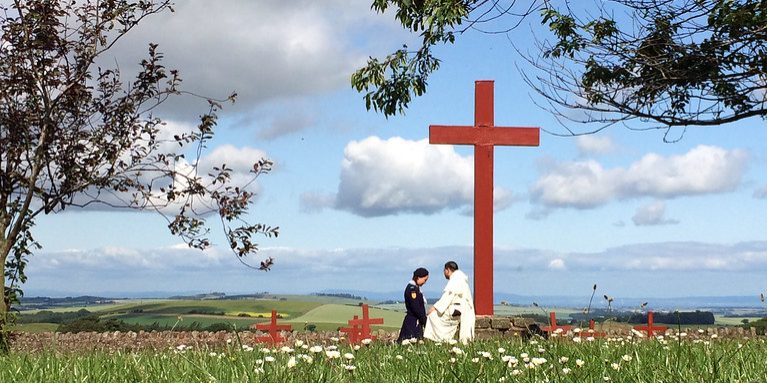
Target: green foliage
(75, 134)
(673, 63)
(46, 316)
(389, 84)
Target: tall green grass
(673, 359)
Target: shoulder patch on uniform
(413, 295)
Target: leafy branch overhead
(663, 63)
(76, 134)
(670, 63)
(390, 83)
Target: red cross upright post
(484, 135)
(650, 328)
(553, 327)
(273, 329)
(359, 329)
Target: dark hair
(451, 265)
(420, 273)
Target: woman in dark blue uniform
(415, 303)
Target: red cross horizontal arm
(483, 135)
(273, 329)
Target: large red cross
(483, 135)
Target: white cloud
(178, 268)
(587, 184)
(593, 144)
(652, 214)
(384, 177)
(263, 50)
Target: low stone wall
(163, 340)
(499, 326)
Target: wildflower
(501, 350)
(486, 355)
(452, 360)
(334, 339)
(515, 372)
(579, 363)
(331, 347)
(399, 357)
(511, 361)
(502, 379)
(566, 370)
(349, 356)
(626, 358)
(577, 339)
(315, 349)
(286, 349)
(258, 370)
(306, 358)
(615, 366)
(539, 361)
(452, 342)
(523, 355)
(212, 354)
(269, 359)
(563, 359)
(367, 341)
(349, 367)
(606, 378)
(541, 350)
(332, 354)
(292, 362)
(265, 350)
(577, 330)
(456, 350)
(299, 343)
(405, 342)
(590, 339)
(247, 348)
(714, 336)
(475, 360)
(229, 341)
(259, 362)
(356, 347)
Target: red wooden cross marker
(483, 135)
(360, 328)
(353, 332)
(274, 330)
(650, 328)
(593, 332)
(552, 327)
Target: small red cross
(650, 329)
(593, 332)
(552, 327)
(274, 330)
(484, 135)
(359, 329)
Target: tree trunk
(5, 344)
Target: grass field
(620, 360)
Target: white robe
(441, 326)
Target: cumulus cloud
(263, 50)
(588, 184)
(384, 177)
(652, 214)
(593, 145)
(178, 268)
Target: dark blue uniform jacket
(415, 319)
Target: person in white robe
(454, 311)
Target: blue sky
(362, 200)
